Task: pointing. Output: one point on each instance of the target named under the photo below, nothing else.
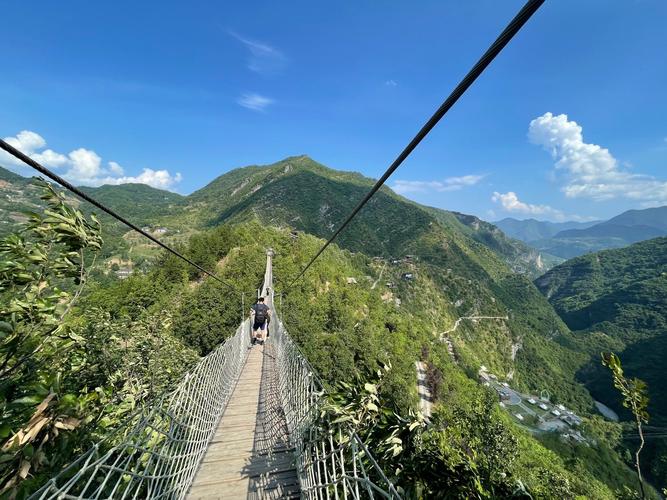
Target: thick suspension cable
(56, 178)
(503, 39)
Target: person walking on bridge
(261, 316)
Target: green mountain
(17, 195)
(528, 230)
(520, 257)
(648, 217)
(9, 176)
(471, 260)
(140, 203)
(397, 285)
(569, 247)
(616, 300)
(301, 193)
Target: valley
(616, 300)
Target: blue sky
(569, 122)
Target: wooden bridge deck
(249, 456)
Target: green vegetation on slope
(519, 257)
(454, 271)
(139, 203)
(469, 257)
(134, 339)
(17, 196)
(616, 300)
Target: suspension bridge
(244, 423)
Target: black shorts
(259, 326)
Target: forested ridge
(616, 300)
(123, 342)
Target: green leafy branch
(635, 398)
(40, 265)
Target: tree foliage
(127, 341)
(42, 270)
(635, 398)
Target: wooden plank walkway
(249, 456)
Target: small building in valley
(123, 272)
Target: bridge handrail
(160, 454)
(332, 460)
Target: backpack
(260, 313)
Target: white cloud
(255, 102)
(391, 83)
(30, 143)
(50, 158)
(511, 203)
(160, 179)
(263, 57)
(590, 171)
(449, 184)
(116, 168)
(83, 166)
(27, 141)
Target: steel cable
(503, 39)
(56, 178)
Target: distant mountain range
(531, 229)
(571, 239)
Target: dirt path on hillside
(473, 318)
(379, 277)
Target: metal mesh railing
(332, 461)
(159, 456)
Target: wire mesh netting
(332, 461)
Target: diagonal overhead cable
(43, 170)
(503, 39)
